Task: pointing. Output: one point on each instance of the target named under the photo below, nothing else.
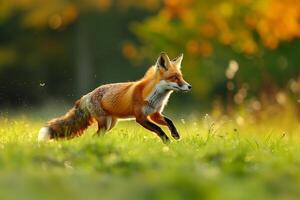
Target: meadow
(236, 157)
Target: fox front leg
(162, 120)
(154, 128)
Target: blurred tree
(237, 47)
(46, 38)
(234, 49)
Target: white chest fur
(157, 99)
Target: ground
(225, 158)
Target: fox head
(169, 73)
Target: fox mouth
(185, 90)
(176, 88)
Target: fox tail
(68, 126)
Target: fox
(143, 100)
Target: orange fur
(139, 100)
(71, 124)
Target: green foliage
(262, 37)
(237, 158)
(234, 50)
(40, 64)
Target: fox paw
(165, 140)
(176, 137)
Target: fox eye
(175, 78)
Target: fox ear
(163, 61)
(177, 61)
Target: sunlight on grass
(216, 159)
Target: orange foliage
(279, 21)
(129, 51)
(232, 22)
(59, 13)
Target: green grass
(215, 159)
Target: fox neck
(154, 92)
(158, 97)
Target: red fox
(143, 100)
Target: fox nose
(190, 87)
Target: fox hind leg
(105, 123)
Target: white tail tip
(44, 134)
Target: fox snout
(185, 87)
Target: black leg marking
(154, 128)
(172, 128)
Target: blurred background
(239, 54)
